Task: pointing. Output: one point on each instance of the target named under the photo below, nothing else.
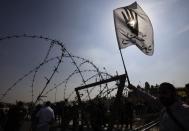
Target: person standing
(16, 115)
(187, 93)
(175, 115)
(45, 117)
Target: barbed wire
(66, 82)
(84, 61)
(23, 77)
(63, 53)
(35, 70)
(74, 73)
(45, 59)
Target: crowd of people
(64, 115)
(99, 114)
(13, 119)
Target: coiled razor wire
(78, 63)
(64, 53)
(35, 70)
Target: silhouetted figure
(75, 116)
(2, 119)
(45, 117)
(97, 114)
(34, 118)
(65, 115)
(128, 114)
(175, 116)
(59, 109)
(84, 114)
(187, 93)
(16, 115)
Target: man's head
(167, 94)
(48, 103)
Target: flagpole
(121, 53)
(124, 66)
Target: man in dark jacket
(175, 115)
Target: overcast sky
(86, 27)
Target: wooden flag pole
(124, 66)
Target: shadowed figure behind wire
(45, 117)
(16, 115)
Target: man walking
(45, 117)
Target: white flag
(133, 27)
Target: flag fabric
(133, 27)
